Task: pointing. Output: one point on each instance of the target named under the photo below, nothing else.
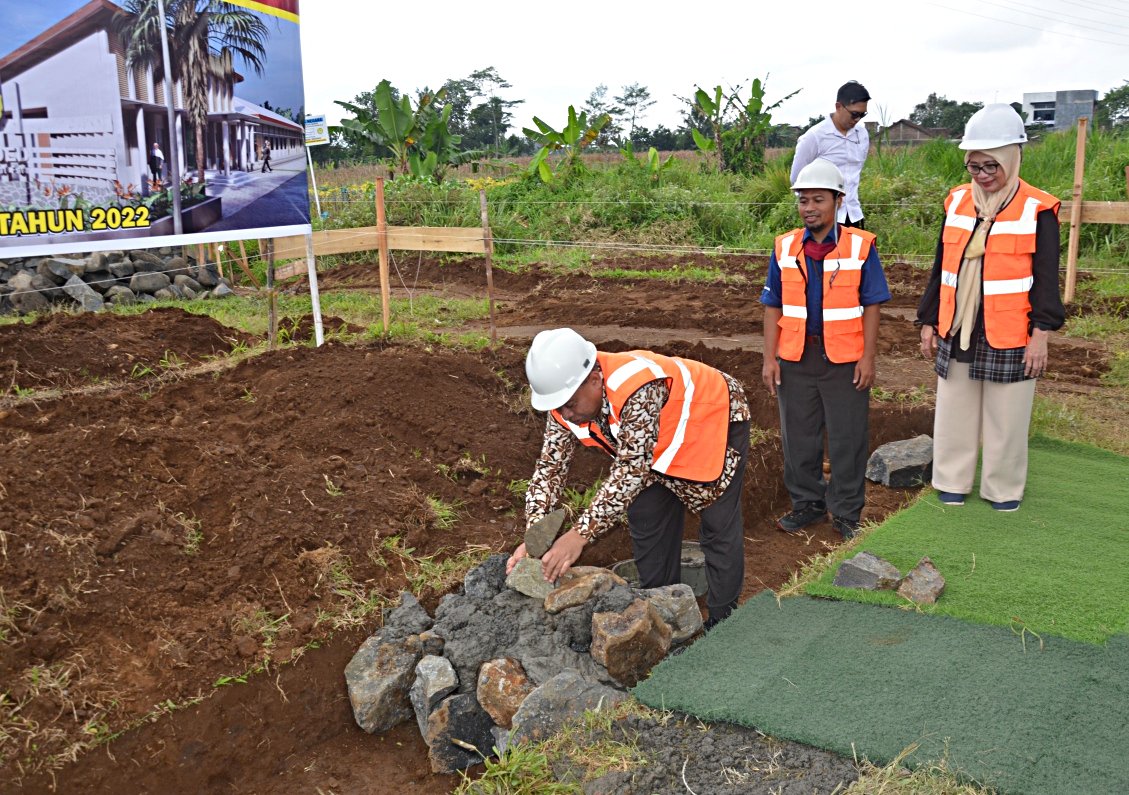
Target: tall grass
(617, 204)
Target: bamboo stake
(382, 246)
(219, 260)
(242, 263)
(267, 247)
(1075, 212)
(488, 242)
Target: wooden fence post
(382, 246)
(488, 242)
(243, 266)
(267, 247)
(1075, 212)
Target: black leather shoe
(847, 528)
(797, 520)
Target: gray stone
(28, 301)
(81, 292)
(502, 686)
(178, 266)
(629, 644)
(902, 464)
(97, 261)
(379, 678)
(458, 734)
(206, 274)
(99, 281)
(74, 267)
(868, 572)
(187, 282)
(487, 579)
(924, 584)
(21, 280)
(145, 298)
(501, 740)
(527, 578)
(435, 680)
(54, 270)
(168, 294)
(148, 282)
(564, 697)
(221, 291)
(122, 270)
(46, 287)
(408, 618)
(145, 261)
(540, 535)
(678, 607)
(120, 295)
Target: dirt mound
(64, 350)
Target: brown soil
(160, 541)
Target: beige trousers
(969, 412)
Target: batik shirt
(631, 469)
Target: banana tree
(739, 128)
(654, 165)
(391, 123)
(571, 140)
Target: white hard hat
(557, 363)
(993, 126)
(820, 173)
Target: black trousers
(816, 395)
(656, 519)
(859, 224)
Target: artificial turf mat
(1058, 566)
(856, 678)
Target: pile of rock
(90, 282)
(495, 666)
(923, 584)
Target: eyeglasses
(857, 114)
(988, 168)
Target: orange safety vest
(842, 306)
(693, 424)
(1007, 271)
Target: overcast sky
(967, 50)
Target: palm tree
(203, 37)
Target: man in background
(842, 139)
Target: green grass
(996, 566)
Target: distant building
(1059, 110)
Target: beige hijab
(987, 205)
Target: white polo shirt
(848, 152)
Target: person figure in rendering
(266, 158)
(821, 302)
(678, 433)
(156, 162)
(842, 139)
(986, 313)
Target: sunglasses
(857, 114)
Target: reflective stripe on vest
(842, 308)
(1007, 270)
(693, 423)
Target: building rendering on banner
(76, 118)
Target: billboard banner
(95, 164)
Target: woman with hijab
(985, 315)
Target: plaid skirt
(999, 365)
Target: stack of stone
(495, 665)
(92, 282)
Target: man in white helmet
(821, 303)
(678, 433)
